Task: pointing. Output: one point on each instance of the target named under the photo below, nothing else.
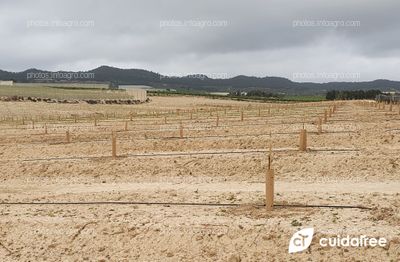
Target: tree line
(254, 93)
(351, 94)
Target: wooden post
(45, 129)
(303, 140)
(95, 121)
(75, 120)
(319, 125)
(67, 137)
(181, 130)
(126, 126)
(33, 124)
(390, 107)
(191, 115)
(241, 116)
(130, 117)
(165, 120)
(325, 116)
(217, 121)
(269, 185)
(114, 145)
(259, 112)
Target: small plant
(296, 223)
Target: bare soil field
(187, 182)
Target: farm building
(139, 92)
(6, 83)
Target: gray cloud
(255, 38)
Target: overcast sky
(303, 40)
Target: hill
(107, 74)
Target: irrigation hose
(263, 151)
(180, 204)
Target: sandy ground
(200, 197)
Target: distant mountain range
(107, 74)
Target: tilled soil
(199, 197)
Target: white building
(138, 94)
(6, 83)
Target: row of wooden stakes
(303, 132)
(320, 121)
(270, 174)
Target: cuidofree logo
(301, 240)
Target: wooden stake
(114, 145)
(165, 120)
(33, 124)
(303, 140)
(95, 121)
(67, 137)
(269, 184)
(319, 125)
(45, 129)
(181, 131)
(126, 126)
(241, 116)
(217, 121)
(325, 116)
